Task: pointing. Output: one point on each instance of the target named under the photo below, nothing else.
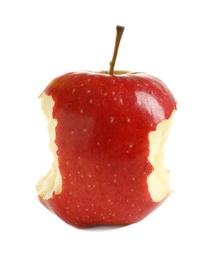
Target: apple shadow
(100, 228)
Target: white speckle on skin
(128, 120)
(121, 101)
(130, 147)
(84, 130)
(112, 119)
(81, 111)
(91, 101)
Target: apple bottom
(119, 212)
(120, 218)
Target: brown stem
(119, 34)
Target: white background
(173, 40)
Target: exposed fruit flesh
(52, 181)
(158, 180)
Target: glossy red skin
(103, 146)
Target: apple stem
(119, 34)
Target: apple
(107, 134)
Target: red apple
(107, 135)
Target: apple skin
(103, 147)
